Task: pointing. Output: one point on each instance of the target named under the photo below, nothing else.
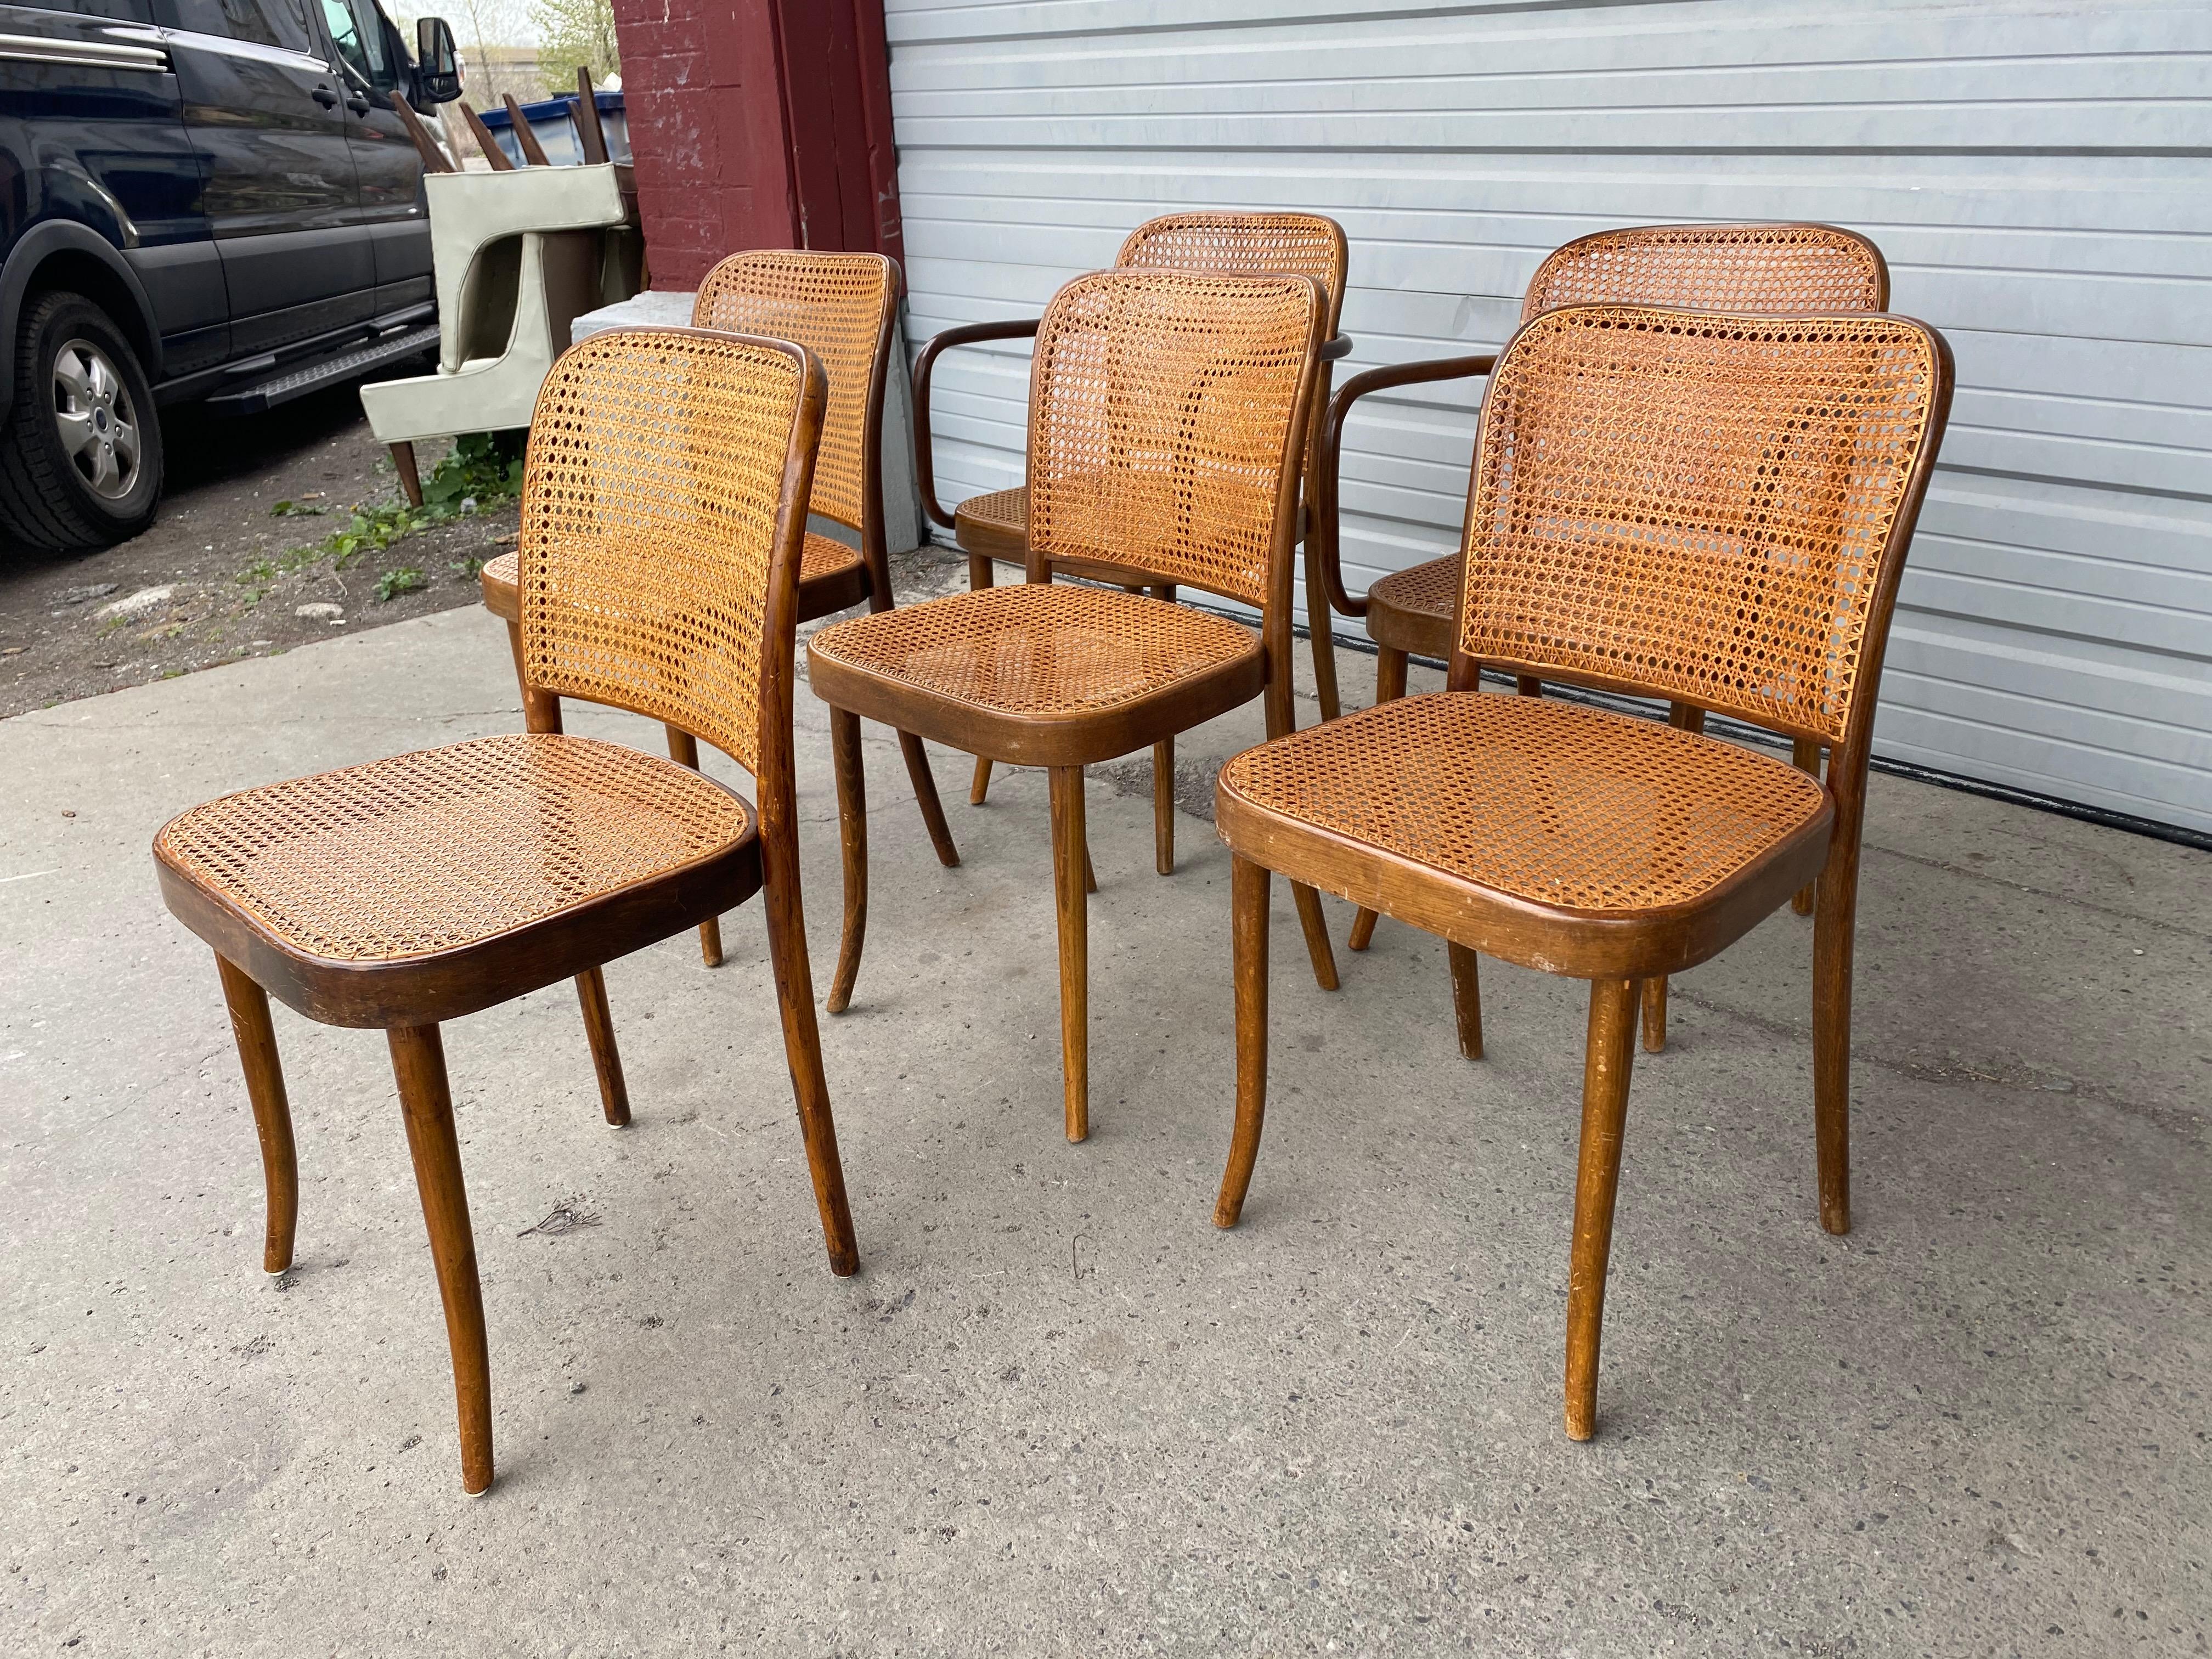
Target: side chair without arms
(1741, 267)
(841, 307)
(994, 526)
(1168, 414)
(664, 505)
(1673, 504)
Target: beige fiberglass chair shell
(995, 526)
(1762, 269)
(519, 256)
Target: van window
(264, 23)
(356, 31)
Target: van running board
(267, 394)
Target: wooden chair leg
(426, 1102)
(802, 1037)
(1163, 782)
(1248, 884)
(1606, 1062)
(980, 576)
(684, 749)
(410, 481)
(541, 710)
(1164, 806)
(1685, 717)
(1089, 871)
(1467, 999)
(1805, 754)
(1834, 925)
(1390, 685)
(1321, 630)
(925, 796)
(1315, 928)
(1070, 859)
(852, 835)
(1655, 1014)
(272, 1111)
(606, 1058)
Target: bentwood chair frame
(1742, 268)
(995, 526)
(662, 524)
(1169, 414)
(843, 308)
(1666, 503)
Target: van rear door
(267, 115)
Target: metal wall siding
(2038, 174)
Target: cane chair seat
(826, 568)
(1472, 813)
(1410, 610)
(1038, 673)
(415, 862)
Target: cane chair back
(662, 509)
(1735, 267)
(840, 307)
(1705, 507)
(1252, 244)
(1165, 410)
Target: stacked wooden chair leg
(1168, 413)
(1708, 508)
(1745, 268)
(663, 517)
(994, 527)
(841, 307)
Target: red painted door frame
(758, 124)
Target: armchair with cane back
(1741, 267)
(995, 525)
(1168, 414)
(664, 508)
(1704, 507)
(841, 307)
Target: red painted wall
(757, 124)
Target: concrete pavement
(1057, 1411)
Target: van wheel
(81, 460)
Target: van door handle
(357, 102)
(326, 97)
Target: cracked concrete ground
(1057, 1411)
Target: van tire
(46, 500)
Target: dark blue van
(208, 201)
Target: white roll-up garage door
(2038, 174)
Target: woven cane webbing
(1695, 506)
(434, 850)
(1002, 509)
(819, 557)
(1160, 405)
(1036, 648)
(1256, 244)
(649, 512)
(1431, 589)
(1737, 268)
(1546, 800)
(839, 307)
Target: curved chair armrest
(1333, 349)
(1331, 444)
(924, 472)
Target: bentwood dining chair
(841, 307)
(1168, 415)
(1708, 507)
(994, 526)
(662, 520)
(1746, 268)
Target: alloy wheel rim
(96, 420)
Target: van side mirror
(437, 65)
